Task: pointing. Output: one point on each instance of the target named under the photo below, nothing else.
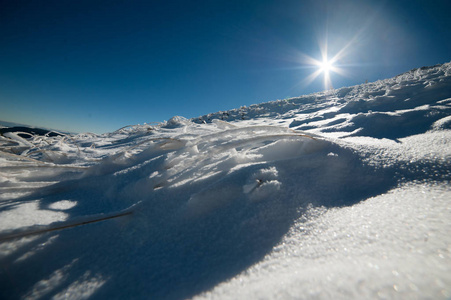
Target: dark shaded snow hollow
(336, 195)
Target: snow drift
(340, 194)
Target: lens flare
(325, 66)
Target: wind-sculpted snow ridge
(410, 90)
(343, 194)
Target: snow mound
(176, 122)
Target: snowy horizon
(340, 194)
(220, 114)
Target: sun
(326, 65)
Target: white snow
(342, 194)
(389, 246)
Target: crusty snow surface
(343, 194)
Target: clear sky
(99, 65)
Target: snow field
(340, 194)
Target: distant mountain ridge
(26, 132)
(11, 124)
(28, 129)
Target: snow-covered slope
(342, 194)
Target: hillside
(340, 194)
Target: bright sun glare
(326, 66)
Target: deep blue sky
(100, 65)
